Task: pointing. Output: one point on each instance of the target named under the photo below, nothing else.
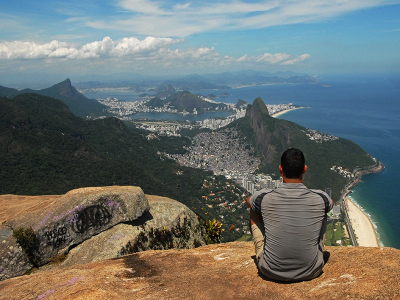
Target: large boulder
(168, 224)
(73, 218)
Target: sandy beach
(362, 225)
(284, 112)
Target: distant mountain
(165, 90)
(78, 103)
(195, 82)
(186, 101)
(253, 77)
(8, 92)
(271, 137)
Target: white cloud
(104, 48)
(300, 58)
(131, 53)
(272, 58)
(166, 18)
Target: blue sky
(78, 38)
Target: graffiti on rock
(117, 236)
(57, 236)
(43, 221)
(94, 216)
(112, 204)
(78, 208)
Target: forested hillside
(45, 149)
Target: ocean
(363, 109)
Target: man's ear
(305, 169)
(280, 169)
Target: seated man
(288, 224)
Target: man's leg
(257, 230)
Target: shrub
(213, 231)
(26, 238)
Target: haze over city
(52, 40)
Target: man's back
(294, 221)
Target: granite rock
(218, 271)
(168, 224)
(75, 217)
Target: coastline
(362, 225)
(360, 222)
(284, 112)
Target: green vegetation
(223, 200)
(213, 231)
(335, 234)
(26, 239)
(45, 149)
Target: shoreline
(282, 112)
(362, 225)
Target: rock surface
(93, 224)
(68, 220)
(13, 261)
(219, 271)
(168, 224)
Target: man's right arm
(254, 202)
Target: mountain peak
(67, 81)
(259, 105)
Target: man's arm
(255, 217)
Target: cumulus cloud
(104, 48)
(273, 58)
(140, 54)
(300, 58)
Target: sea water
(365, 110)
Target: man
(288, 224)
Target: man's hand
(248, 202)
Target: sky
(52, 40)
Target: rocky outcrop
(219, 271)
(168, 224)
(79, 215)
(91, 224)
